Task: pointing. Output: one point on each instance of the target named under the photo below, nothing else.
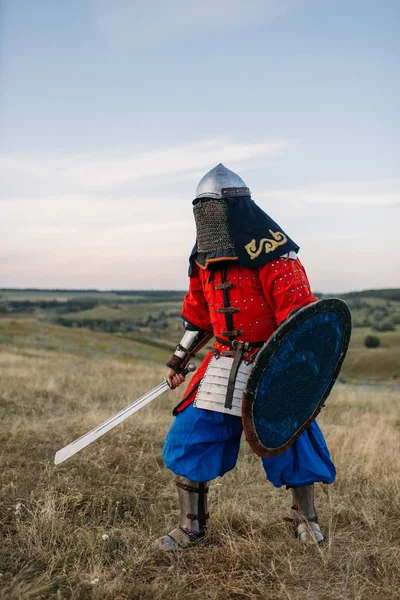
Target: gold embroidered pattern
(270, 245)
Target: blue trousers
(203, 444)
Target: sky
(112, 110)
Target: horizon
(168, 290)
(111, 113)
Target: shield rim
(336, 305)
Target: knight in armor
(245, 280)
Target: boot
(305, 523)
(193, 519)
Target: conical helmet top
(218, 179)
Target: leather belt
(234, 344)
(239, 347)
(232, 375)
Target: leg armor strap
(193, 517)
(191, 488)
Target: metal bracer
(193, 340)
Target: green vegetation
(370, 364)
(33, 336)
(109, 312)
(148, 324)
(372, 341)
(383, 294)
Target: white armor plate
(212, 389)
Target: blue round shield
(293, 375)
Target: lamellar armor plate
(213, 387)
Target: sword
(112, 422)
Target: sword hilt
(190, 368)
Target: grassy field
(57, 383)
(150, 320)
(28, 331)
(371, 364)
(60, 295)
(137, 311)
(28, 335)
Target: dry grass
(373, 363)
(53, 518)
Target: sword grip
(190, 367)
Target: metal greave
(193, 505)
(303, 503)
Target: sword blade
(110, 423)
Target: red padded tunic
(263, 297)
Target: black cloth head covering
(257, 238)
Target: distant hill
(131, 310)
(387, 294)
(378, 309)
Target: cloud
(124, 219)
(133, 23)
(99, 212)
(379, 193)
(44, 175)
